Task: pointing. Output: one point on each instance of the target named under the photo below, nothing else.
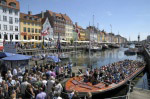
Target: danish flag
(77, 31)
(45, 32)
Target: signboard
(10, 47)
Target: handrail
(124, 96)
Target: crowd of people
(44, 82)
(113, 73)
(40, 82)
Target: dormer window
(26, 17)
(3, 2)
(12, 4)
(32, 18)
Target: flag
(45, 32)
(58, 46)
(77, 31)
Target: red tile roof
(12, 1)
(22, 16)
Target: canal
(108, 56)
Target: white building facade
(68, 32)
(9, 20)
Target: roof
(66, 17)
(22, 16)
(43, 20)
(12, 1)
(50, 12)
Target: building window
(24, 29)
(32, 23)
(16, 28)
(16, 12)
(11, 36)
(5, 18)
(0, 35)
(3, 2)
(32, 30)
(16, 37)
(28, 29)
(16, 20)
(39, 37)
(10, 11)
(28, 23)
(5, 27)
(11, 28)
(13, 4)
(25, 37)
(24, 22)
(5, 37)
(4, 10)
(39, 31)
(36, 37)
(0, 26)
(10, 20)
(35, 30)
(32, 37)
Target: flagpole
(90, 48)
(43, 43)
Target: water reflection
(101, 58)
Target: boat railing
(119, 97)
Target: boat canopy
(54, 59)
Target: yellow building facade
(30, 28)
(82, 34)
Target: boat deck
(78, 85)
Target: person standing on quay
(41, 94)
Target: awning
(82, 41)
(64, 41)
(17, 57)
(5, 54)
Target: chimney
(29, 13)
(42, 14)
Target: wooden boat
(105, 46)
(82, 88)
(131, 51)
(64, 56)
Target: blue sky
(128, 17)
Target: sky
(129, 18)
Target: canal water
(108, 56)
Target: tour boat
(64, 56)
(105, 46)
(77, 84)
(131, 51)
(96, 48)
